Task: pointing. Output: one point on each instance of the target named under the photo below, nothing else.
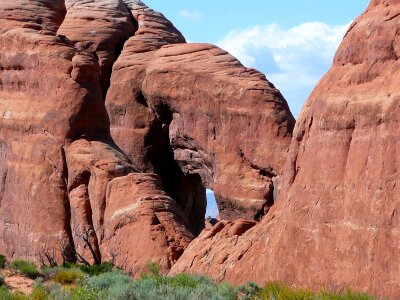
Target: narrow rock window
(212, 207)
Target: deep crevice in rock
(67, 206)
(186, 189)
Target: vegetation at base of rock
(3, 261)
(27, 268)
(68, 276)
(7, 295)
(70, 282)
(101, 268)
(279, 291)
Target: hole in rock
(187, 189)
(212, 212)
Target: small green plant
(279, 291)
(248, 291)
(3, 261)
(39, 293)
(153, 269)
(2, 280)
(27, 268)
(5, 294)
(108, 280)
(95, 270)
(85, 293)
(68, 276)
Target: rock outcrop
(183, 116)
(196, 116)
(101, 27)
(57, 157)
(336, 223)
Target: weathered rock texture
(189, 116)
(196, 116)
(57, 157)
(336, 223)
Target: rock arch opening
(212, 211)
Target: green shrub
(56, 291)
(108, 280)
(147, 289)
(68, 276)
(346, 295)
(248, 291)
(153, 269)
(5, 294)
(180, 287)
(95, 270)
(3, 261)
(189, 281)
(27, 268)
(85, 293)
(278, 291)
(39, 293)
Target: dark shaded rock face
(111, 127)
(336, 224)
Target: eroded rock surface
(184, 116)
(336, 224)
(57, 156)
(101, 27)
(146, 226)
(192, 110)
(41, 107)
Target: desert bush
(181, 287)
(39, 293)
(95, 270)
(68, 276)
(5, 294)
(3, 261)
(279, 291)
(149, 289)
(153, 269)
(86, 293)
(346, 295)
(248, 291)
(107, 280)
(27, 268)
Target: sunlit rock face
(336, 222)
(111, 127)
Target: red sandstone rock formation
(57, 157)
(336, 223)
(196, 116)
(190, 113)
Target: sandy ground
(16, 282)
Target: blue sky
(292, 41)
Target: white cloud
(194, 16)
(294, 59)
